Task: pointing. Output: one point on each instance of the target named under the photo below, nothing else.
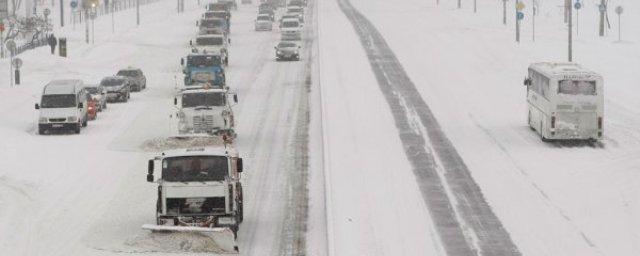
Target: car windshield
(58, 101)
(290, 24)
(191, 100)
(209, 41)
(112, 82)
(203, 61)
(211, 23)
(195, 168)
(92, 90)
(294, 10)
(220, 14)
(577, 87)
(286, 44)
(264, 18)
(130, 73)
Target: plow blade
(222, 238)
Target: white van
(63, 106)
(290, 30)
(565, 101)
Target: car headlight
(42, 120)
(296, 52)
(72, 119)
(279, 52)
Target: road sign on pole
(619, 11)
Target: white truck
(199, 191)
(206, 111)
(212, 43)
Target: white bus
(565, 101)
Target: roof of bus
(208, 151)
(564, 70)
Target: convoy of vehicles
(565, 101)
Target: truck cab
(213, 43)
(206, 111)
(203, 67)
(198, 188)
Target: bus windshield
(209, 41)
(571, 87)
(195, 168)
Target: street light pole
(86, 27)
(570, 20)
(138, 12)
(61, 13)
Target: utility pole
(138, 12)
(534, 8)
(61, 12)
(504, 12)
(570, 13)
(602, 8)
(519, 7)
(86, 27)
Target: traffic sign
(577, 5)
(74, 4)
(520, 15)
(17, 63)
(520, 6)
(619, 10)
(602, 8)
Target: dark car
(139, 81)
(286, 50)
(118, 88)
(99, 94)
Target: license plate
(56, 125)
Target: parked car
(287, 50)
(139, 81)
(118, 88)
(99, 94)
(63, 106)
(263, 23)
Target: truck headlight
(42, 120)
(279, 52)
(226, 221)
(72, 119)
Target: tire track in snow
(468, 226)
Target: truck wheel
(84, 122)
(77, 129)
(41, 130)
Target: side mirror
(275, 48)
(240, 165)
(150, 167)
(150, 178)
(298, 47)
(80, 105)
(527, 81)
(235, 98)
(182, 62)
(190, 42)
(229, 40)
(175, 101)
(37, 106)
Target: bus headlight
(42, 120)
